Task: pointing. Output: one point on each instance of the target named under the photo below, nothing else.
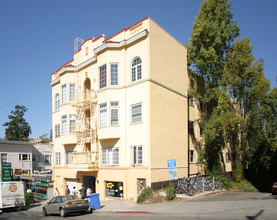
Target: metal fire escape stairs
(86, 118)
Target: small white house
(19, 154)
(42, 155)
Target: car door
(57, 204)
(51, 205)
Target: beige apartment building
(120, 112)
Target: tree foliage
(246, 88)
(17, 128)
(211, 38)
(243, 111)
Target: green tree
(245, 88)
(211, 39)
(17, 128)
(264, 144)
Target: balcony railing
(84, 160)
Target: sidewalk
(129, 207)
(123, 206)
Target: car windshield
(67, 198)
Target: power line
(22, 95)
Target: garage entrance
(71, 183)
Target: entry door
(89, 181)
(141, 184)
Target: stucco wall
(168, 103)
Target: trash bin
(94, 202)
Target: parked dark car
(65, 204)
(274, 188)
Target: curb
(132, 213)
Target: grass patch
(244, 186)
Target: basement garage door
(71, 183)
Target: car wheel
(62, 213)
(44, 212)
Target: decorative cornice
(122, 43)
(98, 49)
(55, 81)
(90, 60)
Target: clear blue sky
(37, 37)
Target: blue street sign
(171, 164)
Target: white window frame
(27, 157)
(191, 156)
(227, 157)
(114, 107)
(110, 156)
(136, 69)
(57, 101)
(114, 79)
(57, 130)
(191, 101)
(103, 115)
(68, 157)
(72, 123)
(44, 159)
(72, 93)
(133, 114)
(64, 124)
(2, 156)
(137, 155)
(64, 94)
(102, 80)
(57, 158)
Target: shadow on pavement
(255, 216)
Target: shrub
(145, 194)
(170, 192)
(226, 183)
(29, 198)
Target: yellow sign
(110, 185)
(13, 188)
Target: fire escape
(86, 155)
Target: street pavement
(219, 205)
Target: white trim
(131, 121)
(55, 81)
(118, 113)
(110, 75)
(58, 159)
(107, 118)
(133, 149)
(90, 60)
(107, 159)
(122, 43)
(71, 68)
(191, 156)
(97, 50)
